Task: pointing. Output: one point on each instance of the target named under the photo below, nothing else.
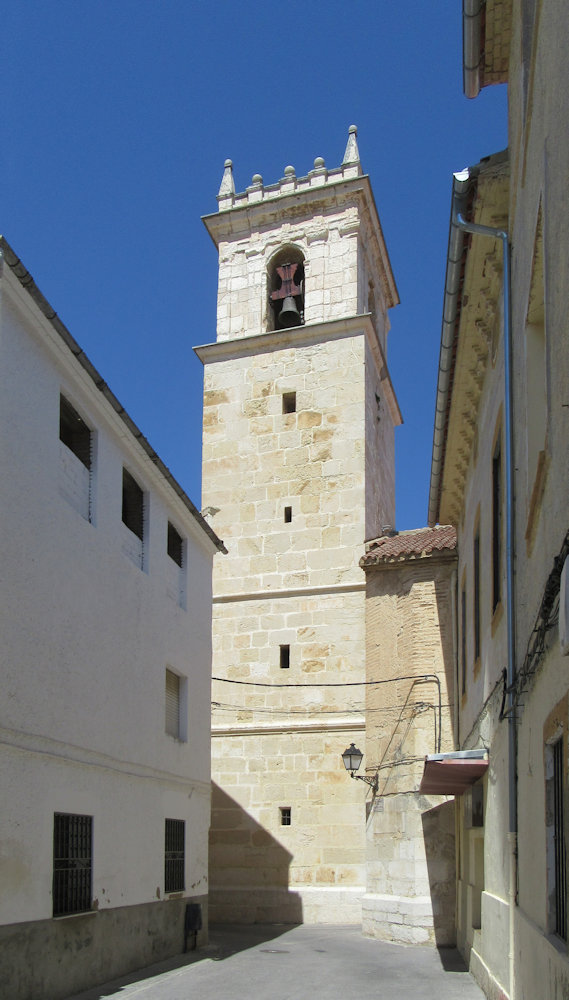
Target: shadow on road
(225, 940)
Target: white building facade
(106, 655)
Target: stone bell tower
(298, 470)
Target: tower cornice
(304, 336)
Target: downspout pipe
(471, 55)
(501, 234)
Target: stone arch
(285, 284)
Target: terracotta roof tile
(406, 545)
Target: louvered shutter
(172, 704)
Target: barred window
(174, 855)
(72, 863)
(172, 704)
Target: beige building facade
(410, 644)
(500, 466)
(299, 417)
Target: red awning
(451, 775)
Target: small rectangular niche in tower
(286, 815)
(288, 515)
(289, 402)
(285, 657)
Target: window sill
(497, 617)
(76, 916)
(537, 492)
(556, 942)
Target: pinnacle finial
(352, 153)
(227, 186)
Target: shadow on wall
(438, 835)
(444, 612)
(248, 869)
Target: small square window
(285, 657)
(174, 855)
(289, 402)
(175, 545)
(285, 812)
(288, 515)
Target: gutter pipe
(501, 234)
(470, 227)
(471, 58)
(458, 227)
(461, 187)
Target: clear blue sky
(117, 117)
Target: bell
(289, 314)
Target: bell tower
(298, 471)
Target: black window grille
(559, 843)
(496, 527)
(175, 544)
(132, 504)
(286, 817)
(463, 638)
(74, 433)
(477, 596)
(174, 855)
(72, 863)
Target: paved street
(298, 963)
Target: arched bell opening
(286, 289)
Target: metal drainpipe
(471, 227)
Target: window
(72, 863)
(476, 558)
(286, 289)
(132, 504)
(76, 455)
(285, 657)
(74, 433)
(557, 852)
(536, 380)
(173, 704)
(463, 638)
(175, 545)
(496, 526)
(288, 515)
(285, 813)
(174, 855)
(289, 402)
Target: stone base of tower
(403, 920)
(303, 905)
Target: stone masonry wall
(411, 854)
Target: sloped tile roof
(407, 545)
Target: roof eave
(27, 282)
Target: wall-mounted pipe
(501, 234)
(471, 33)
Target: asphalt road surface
(298, 963)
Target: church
(298, 476)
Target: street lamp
(352, 758)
